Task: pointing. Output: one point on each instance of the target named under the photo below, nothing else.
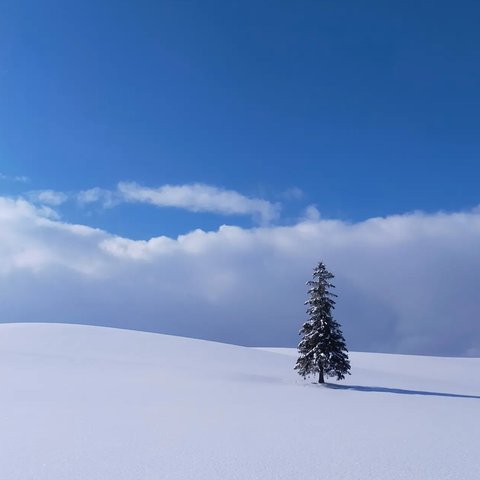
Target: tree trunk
(320, 375)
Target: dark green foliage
(322, 348)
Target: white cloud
(199, 197)
(406, 283)
(48, 197)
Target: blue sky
(369, 108)
(347, 132)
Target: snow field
(81, 402)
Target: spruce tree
(322, 349)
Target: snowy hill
(93, 403)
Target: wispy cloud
(48, 197)
(311, 213)
(14, 178)
(106, 198)
(400, 279)
(199, 197)
(195, 197)
(293, 193)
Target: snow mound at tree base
(81, 402)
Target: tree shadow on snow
(399, 391)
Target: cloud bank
(406, 283)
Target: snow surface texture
(95, 403)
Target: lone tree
(322, 348)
